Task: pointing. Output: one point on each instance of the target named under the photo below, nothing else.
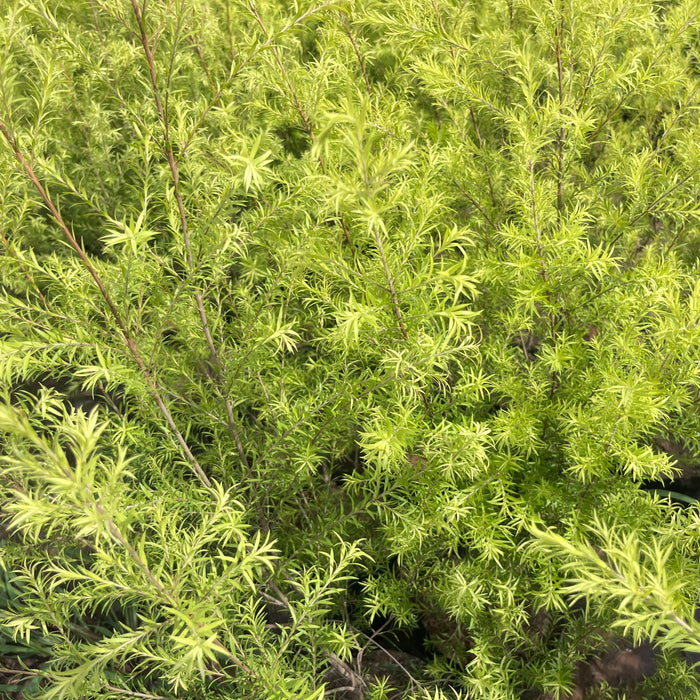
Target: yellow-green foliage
(321, 317)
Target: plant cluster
(326, 322)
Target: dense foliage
(327, 323)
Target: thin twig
(307, 124)
(390, 282)
(631, 90)
(489, 220)
(536, 221)
(134, 694)
(130, 342)
(357, 53)
(650, 208)
(486, 158)
(175, 173)
(562, 131)
(11, 250)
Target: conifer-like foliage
(326, 322)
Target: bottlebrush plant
(323, 325)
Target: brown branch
(202, 59)
(357, 53)
(540, 251)
(130, 342)
(346, 233)
(175, 173)
(390, 282)
(536, 221)
(29, 171)
(97, 24)
(562, 131)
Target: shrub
(327, 322)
